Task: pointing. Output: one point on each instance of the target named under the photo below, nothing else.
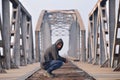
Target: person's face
(59, 45)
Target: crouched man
(51, 58)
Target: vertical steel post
(6, 31)
(23, 29)
(46, 32)
(37, 47)
(111, 25)
(17, 39)
(73, 40)
(83, 45)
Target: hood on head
(59, 41)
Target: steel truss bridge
(57, 23)
(100, 46)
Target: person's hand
(66, 61)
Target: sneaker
(48, 74)
(52, 74)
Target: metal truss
(102, 40)
(17, 35)
(60, 23)
(116, 44)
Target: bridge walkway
(99, 73)
(68, 70)
(20, 74)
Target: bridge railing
(17, 35)
(103, 45)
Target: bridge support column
(16, 48)
(37, 44)
(42, 43)
(29, 41)
(78, 41)
(83, 46)
(95, 29)
(102, 49)
(6, 31)
(111, 25)
(45, 36)
(73, 40)
(23, 29)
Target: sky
(34, 7)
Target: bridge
(95, 51)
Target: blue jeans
(53, 65)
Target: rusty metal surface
(66, 72)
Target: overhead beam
(39, 23)
(79, 20)
(96, 6)
(17, 2)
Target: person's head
(59, 44)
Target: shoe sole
(47, 75)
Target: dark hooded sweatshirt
(52, 53)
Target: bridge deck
(97, 72)
(66, 72)
(20, 74)
(94, 70)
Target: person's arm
(54, 53)
(62, 59)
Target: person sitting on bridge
(52, 59)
